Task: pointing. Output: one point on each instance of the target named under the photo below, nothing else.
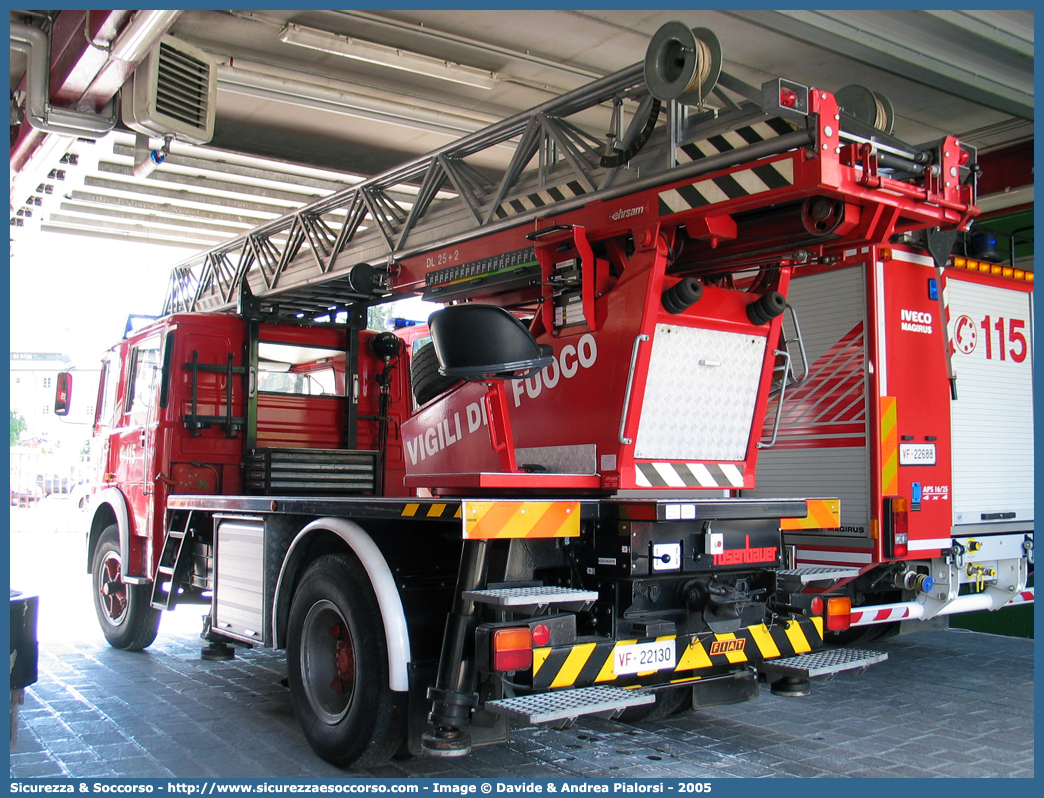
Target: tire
(669, 701)
(424, 374)
(125, 614)
(338, 664)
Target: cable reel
(870, 107)
(821, 216)
(682, 64)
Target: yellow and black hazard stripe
(586, 664)
(432, 509)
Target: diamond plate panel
(580, 459)
(700, 395)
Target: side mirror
(63, 394)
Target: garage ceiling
(294, 123)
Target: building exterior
(49, 456)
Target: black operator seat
(477, 342)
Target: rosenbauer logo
(627, 213)
(746, 555)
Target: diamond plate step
(823, 663)
(518, 598)
(806, 574)
(568, 704)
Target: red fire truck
(544, 512)
(916, 412)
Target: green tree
(378, 317)
(18, 426)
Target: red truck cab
(173, 407)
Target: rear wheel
(338, 661)
(125, 614)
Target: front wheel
(125, 611)
(338, 662)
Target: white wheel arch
(393, 617)
(115, 500)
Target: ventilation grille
(311, 472)
(173, 92)
(182, 83)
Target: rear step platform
(567, 705)
(793, 578)
(823, 663)
(528, 598)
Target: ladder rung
(568, 704)
(174, 553)
(823, 663)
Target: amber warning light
(896, 527)
(512, 649)
(838, 613)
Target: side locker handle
(783, 353)
(801, 348)
(630, 386)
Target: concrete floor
(945, 704)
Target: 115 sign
(1002, 338)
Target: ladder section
(354, 247)
(558, 165)
(172, 565)
(195, 421)
(371, 220)
(171, 585)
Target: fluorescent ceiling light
(387, 56)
